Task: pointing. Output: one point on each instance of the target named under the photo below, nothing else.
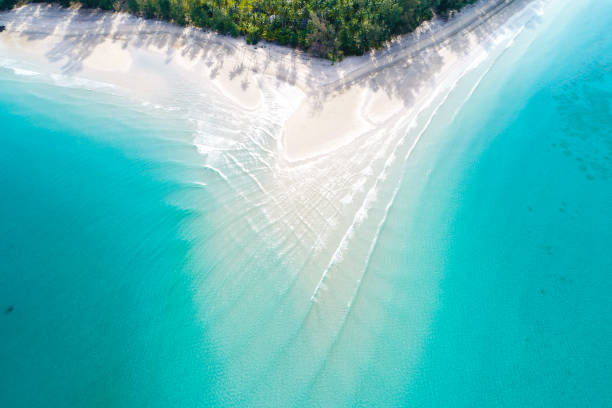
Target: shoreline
(336, 104)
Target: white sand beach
(339, 102)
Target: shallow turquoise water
(93, 256)
(513, 219)
(124, 280)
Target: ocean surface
(157, 255)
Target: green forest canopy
(327, 28)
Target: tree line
(327, 28)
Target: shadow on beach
(82, 31)
(403, 67)
(408, 63)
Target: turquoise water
(513, 219)
(132, 277)
(94, 254)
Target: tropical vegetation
(327, 28)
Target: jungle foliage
(327, 28)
